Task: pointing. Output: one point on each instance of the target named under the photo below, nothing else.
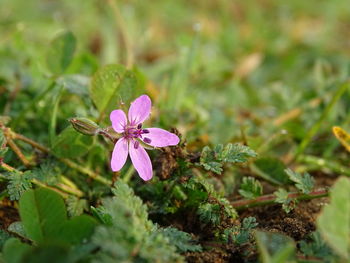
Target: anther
(136, 144)
(145, 131)
(139, 126)
(147, 140)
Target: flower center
(135, 132)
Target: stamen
(147, 140)
(139, 126)
(145, 131)
(136, 144)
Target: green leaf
(111, 85)
(240, 234)
(44, 218)
(76, 206)
(236, 153)
(78, 228)
(305, 183)
(43, 214)
(316, 247)
(250, 188)
(4, 236)
(128, 229)
(334, 221)
(48, 172)
(213, 159)
(61, 52)
(271, 169)
(70, 144)
(282, 197)
(53, 253)
(75, 83)
(275, 248)
(182, 240)
(14, 250)
(18, 184)
(17, 228)
(209, 213)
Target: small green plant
(250, 188)
(214, 159)
(241, 234)
(304, 183)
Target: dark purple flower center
(135, 132)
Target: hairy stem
(271, 198)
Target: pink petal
(161, 138)
(139, 110)
(118, 119)
(141, 161)
(119, 155)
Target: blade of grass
(52, 126)
(314, 129)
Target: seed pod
(84, 126)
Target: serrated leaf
(241, 234)
(128, 229)
(282, 197)
(237, 153)
(76, 206)
(334, 220)
(305, 183)
(213, 159)
(61, 52)
(70, 144)
(18, 184)
(48, 173)
(17, 228)
(182, 240)
(111, 85)
(316, 247)
(250, 188)
(209, 213)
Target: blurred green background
(219, 71)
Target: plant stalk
(271, 198)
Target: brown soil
(297, 224)
(8, 215)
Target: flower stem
(270, 199)
(62, 192)
(18, 152)
(68, 162)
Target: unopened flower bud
(84, 126)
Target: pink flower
(133, 133)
